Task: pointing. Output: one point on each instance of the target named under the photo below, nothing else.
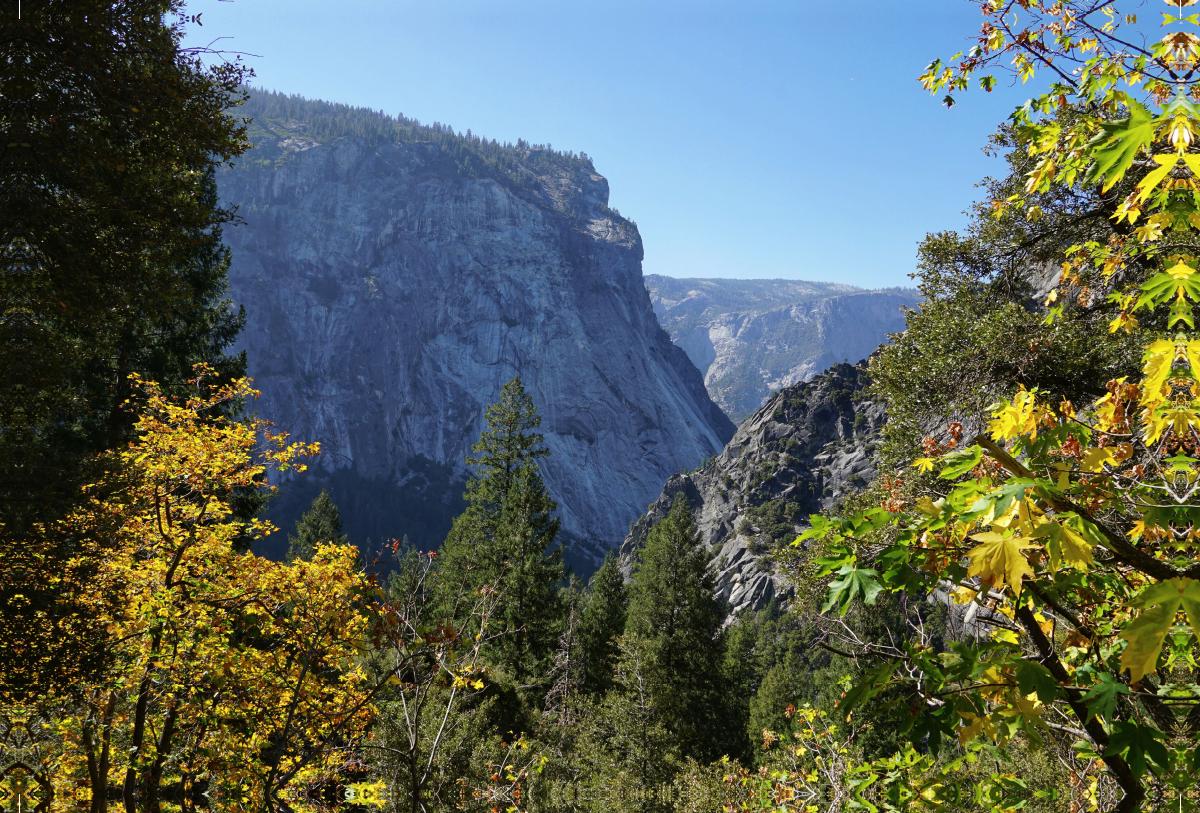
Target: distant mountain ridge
(751, 338)
(696, 297)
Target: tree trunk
(152, 778)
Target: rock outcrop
(811, 445)
(753, 337)
(392, 288)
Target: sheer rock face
(752, 337)
(811, 445)
(390, 295)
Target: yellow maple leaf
(1193, 356)
(1178, 420)
(1124, 321)
(1156, 176)
(1046, 625)
(1007, 636)
(1094, 459)
(1157, 369)
(923, 464)
(1065, 546)
(1158, 603)
(1149, 232)
(928, 507)
(998, 559)
(1022, 516)
(1181, 270)
(1016, 418)
(963, 595)
(974, 725)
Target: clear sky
(746, 139)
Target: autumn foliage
(1070, 529)
(226, 673)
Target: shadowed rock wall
(390, 294)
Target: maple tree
(230, 679)
(1072, 527)
(227, 674)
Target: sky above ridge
(746, 139)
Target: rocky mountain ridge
(393, 287)
(812, 444)
(754, 337)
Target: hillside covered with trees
(273, 115)
(1008, 618)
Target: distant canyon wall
(749, 347)
(391, 293)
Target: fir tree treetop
(505, 445)
(320, 525)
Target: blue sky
(747, 139)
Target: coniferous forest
(1006, 618)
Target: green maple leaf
(1181, 311)
(870, 684)
(854, 581)
(1165, 286)
(1120, 145)
(1138, 745)
(1065, 546)
(1102, 699)
(1033, 677)
(960, 462)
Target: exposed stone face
(811, 445)
(390, 296)
(753, 337)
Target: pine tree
(741, 676)
(506, 538)
(530, 606)
(627, 750)
(504, 447)
(674, 608)
(320, 525)
(601, 625)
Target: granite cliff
(753, 337)
(812, 444)
(394, 283)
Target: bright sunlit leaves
(241, 651)
(1077, 530)
(1159, 604)
(999, 560)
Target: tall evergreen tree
(530, 605)
(674, 608)
(601, 625)
(320, 525)
(504, 447)
(627, 751)
(111, 261)
(506, 538)
(741, 676)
